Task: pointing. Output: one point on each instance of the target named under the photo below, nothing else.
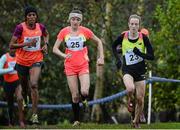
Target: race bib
(32, 48)
(75, 43)
(12, 65)
(131, 58)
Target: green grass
(106, 126)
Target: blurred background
(107, 19)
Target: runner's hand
(100, 61)
(68, 55)
(136, 51)
(45, 49)
(32, 43)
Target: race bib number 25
(75, 43)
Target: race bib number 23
(131, 58)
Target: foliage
(167, 50)
(161, 17)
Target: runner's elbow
(54, 49)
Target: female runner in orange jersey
(76, 58)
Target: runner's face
(31, 18)
(134, 25)
(75, 22)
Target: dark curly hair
(76, 10)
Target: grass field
(103, 126)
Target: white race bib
(32, 48)
(12, 65)
(131, 58)
(75, 43)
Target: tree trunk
(140, 8)
(96, 110)
(97, 114)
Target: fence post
(150, 97)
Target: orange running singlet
(10, 62)
(27, 56)
(77, 64)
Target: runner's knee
(130, 89)
(19, 98)
(34, 85)
(140, 100)
(84, 93)
(75, 98)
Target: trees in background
(167, 44)
(107, 19)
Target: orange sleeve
(62, 34)
(87, 32)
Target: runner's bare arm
(100, 60)
(46, 41)
(14, 45)
(56, 49)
